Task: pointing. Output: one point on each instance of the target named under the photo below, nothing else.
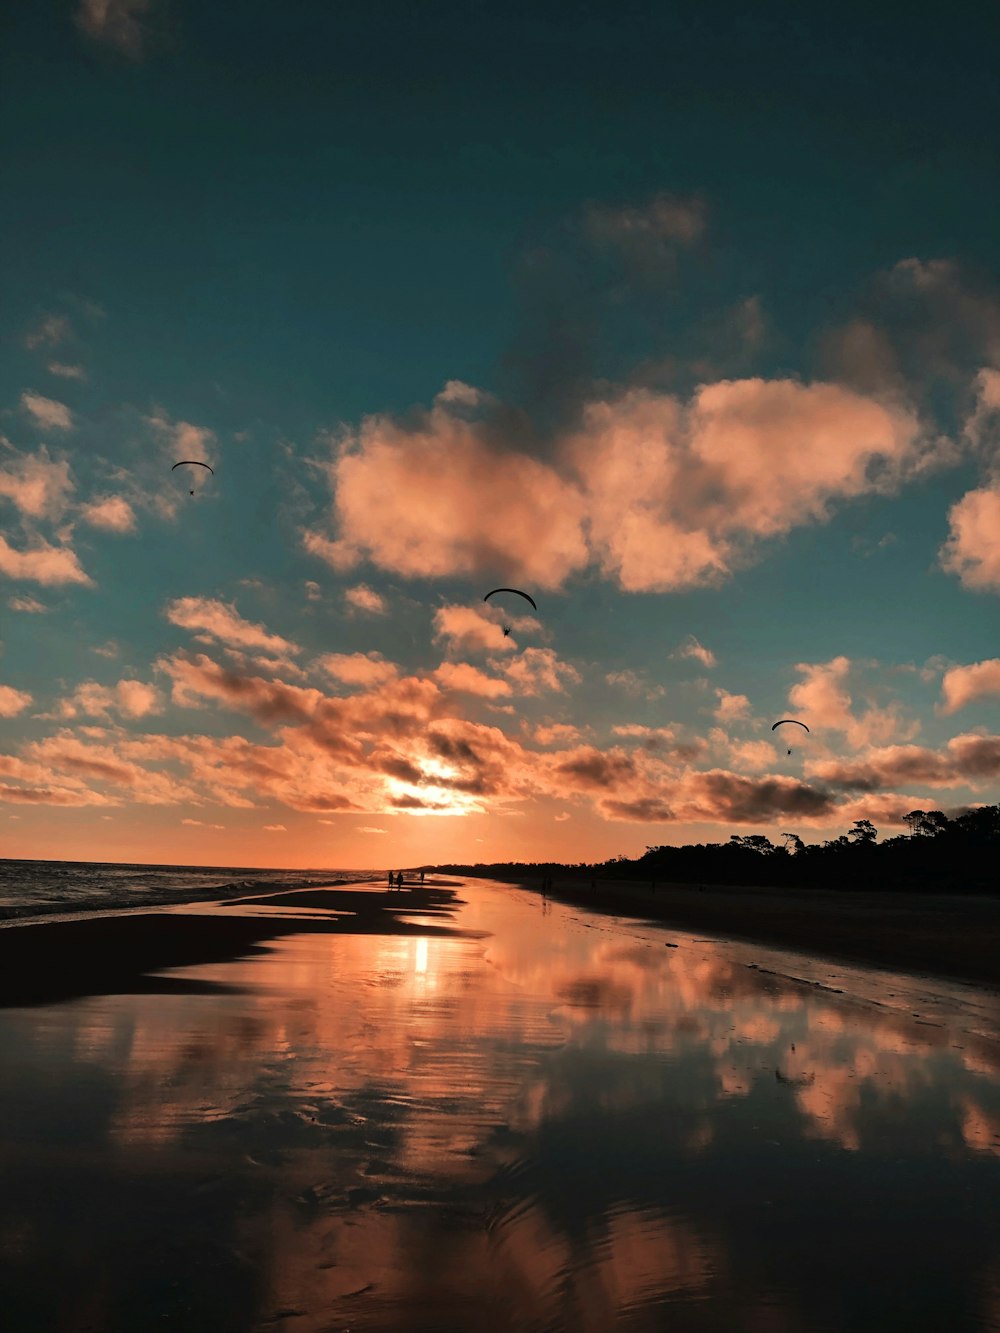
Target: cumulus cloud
(731, 707)
(197, 823)
(693, 649)
(129, 698)
(357, 668)
(987, 406)
(46, 412)
(449, 500)
(181, 440)
(962, 685)
(467, 679)
(275, 828)
(367, 828)
(679, 494)
(537, 670)
(966, 760)
(221, 621)
(13, 701)
(112, 514)
(467, 629)
(363, 598)
(313, 591)
(649, 234)
(120, 24)
(42, 563)
(972, 550)
(823, 702)
(37, 485)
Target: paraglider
(790, 722)
(192, 462)
(519, 593)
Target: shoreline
(46, 961)
(951, 937)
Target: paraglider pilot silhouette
(790, 722)
(192, 462)
(519, 593)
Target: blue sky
(689, 318)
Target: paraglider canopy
(514, 590)
(192, 462)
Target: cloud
(823, 702)
(358, 668)
(537, 670)
(116, 23)
(50, 331)
(692, 648)
(46, 412)
(731, 707)
(64, 371)
(313, 591)
(633, 684)
(557, 733)
(649, 234)
(109, 649)
(679, 494)
(13, 701)
(752, 756)
(42, 563)
(363, 598)
(449, 500)
(468, 629)
(183, 441)
(966, 760)
(987, 407)
(275, 828)
(130, 698)
(463, 678)
(221, 621)
(197, 823)
(112, 514)
(366, 828)
(962, 685)
(37, 485)
(28, 604)
(972, 551)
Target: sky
(684, 319)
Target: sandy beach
(121, 953)
(950, 936)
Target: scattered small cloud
(112, 514)
(46, 412)
(197, 823)
(731, 707)
(64, 371)
(363, 598)
(313, 591)
(29, 604)
(13, 702)
(109, 649)
(275, 828)
(693, 649)
(221, 621)
(366, 829)
(561, 818)
(49, 331)
(634, 685)
(120, 24)
(42, 563)
(368, 669)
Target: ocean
(30, 889)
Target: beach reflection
(571, 1122)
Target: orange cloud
(731, 707)
(36, 485)
(357, 668)
(130, 698)
(693, 649)
(962, 685)
(823, 702)
(42, 563)
(469, 629)
(46, 412)
(966, 760)
(972, 551)
(113, 514)
(468, 679)
(13, 701)
(363, 598)
(115, 23)
(221, 620)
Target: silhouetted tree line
(935, 854)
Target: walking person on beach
(399, 879)
(390, 880)
(421, 879)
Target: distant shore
(951, 936)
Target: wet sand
(121, 953)
(956, 937)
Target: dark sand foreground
(119, 953)
(950, 936)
